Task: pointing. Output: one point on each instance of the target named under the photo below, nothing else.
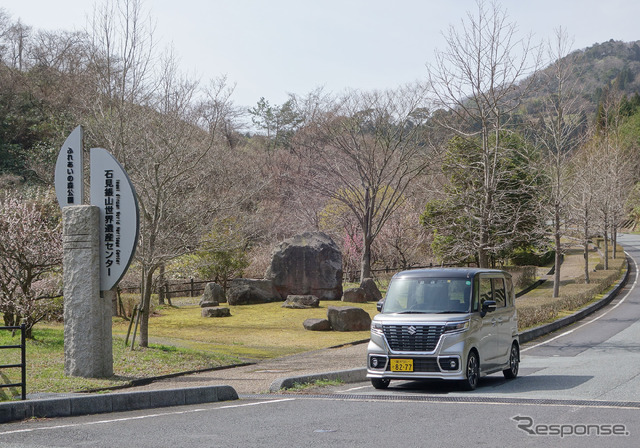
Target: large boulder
(216, 311)
(301, 302)
(371, 291)
(307, 264)
(316, 325)
(213, 295)
(348, 318)
(355, 295)
(245, 291)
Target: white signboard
(68, 177)
(113, 193)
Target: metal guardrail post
(23, 343)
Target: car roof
(448, 272)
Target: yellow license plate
(402, 365)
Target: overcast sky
(269, 48)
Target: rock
(356, 295)
(301, 302)
(348, 318)
(213, 295)
(307, 264)
(215, 311)
(317, 325)
(372, 293)
(245, 291)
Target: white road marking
(140, 417)
(352, 389)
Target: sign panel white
(68, 177)
(113, 193)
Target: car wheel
(514, 363)
(380, 383)
(472, 372)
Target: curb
(116, 402)
(348, 376)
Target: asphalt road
(579, 387)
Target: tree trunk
(586, 247)
(146, 307)
(161, 283)
(606, 243)
(365, 264)
(558, 259)
(614, 238)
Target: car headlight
(376, 327)
(454, 327)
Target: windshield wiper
(412, 312)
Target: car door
(502, 317)
(488, 337)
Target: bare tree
(585, 169)
(559, 134)
(30, 256)
(615, 169)
(364, 151)
(480, 79)
(166, 131)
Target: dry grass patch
(252, 332)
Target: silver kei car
(452, 324)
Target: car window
(428, 295)
(499, 294)
(485, 290)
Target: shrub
(523, 276)
(529, 257)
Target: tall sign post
(99, 242)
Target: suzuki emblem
(411, 330)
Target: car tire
(472, 371)
(380, 383)
(514, 363)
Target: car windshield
(428, 295)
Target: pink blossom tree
(30, 259)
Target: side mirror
(379, 305)
(488, 306)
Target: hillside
(596, 68)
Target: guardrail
(23, 363)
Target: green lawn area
(45, 363)
(180, 340)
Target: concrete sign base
(87, 315)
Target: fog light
(449, 364)
(374, 363)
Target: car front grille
(422, 365)
(413, 338)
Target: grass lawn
(45, 363)
(180, 340)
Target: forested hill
(612, 64)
